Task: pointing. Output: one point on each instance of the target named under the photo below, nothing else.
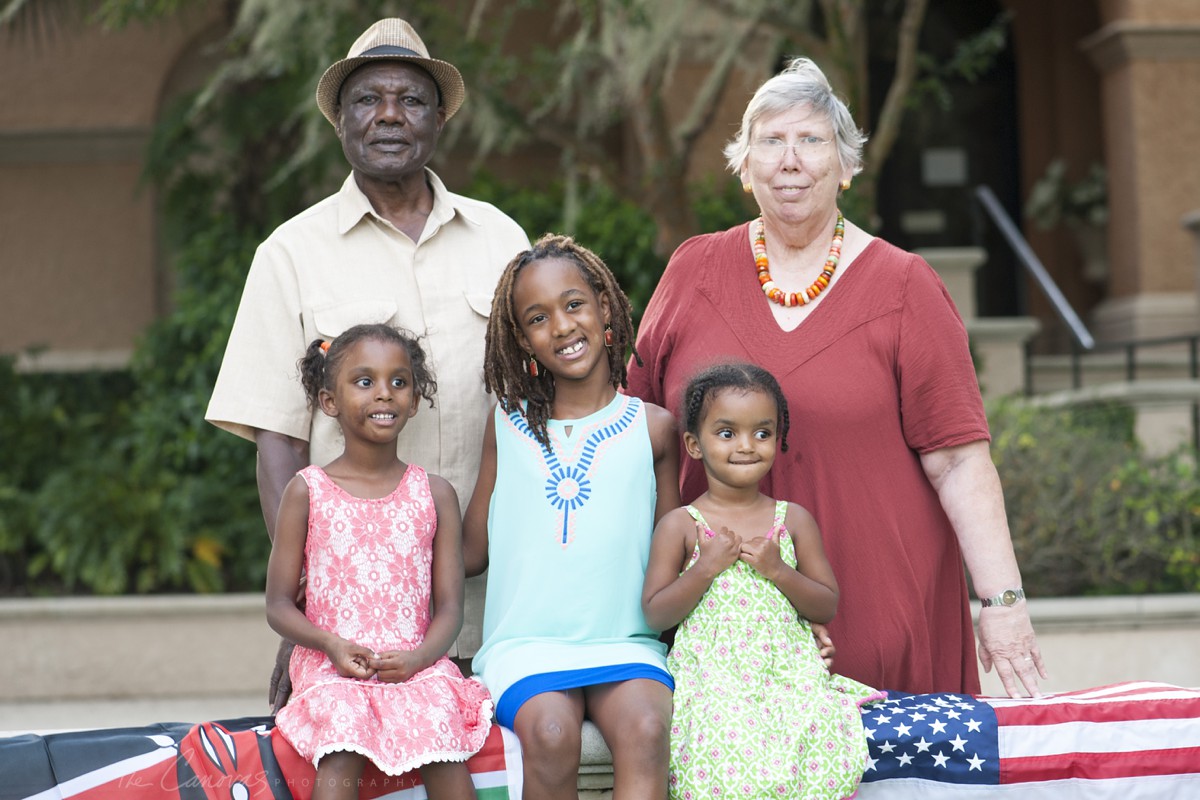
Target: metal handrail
(1033, 265)
(1083, 343)
(1130, 349)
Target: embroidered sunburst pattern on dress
(568, 487)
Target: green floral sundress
(756, 713)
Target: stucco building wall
(1112, 81)
(78, 268)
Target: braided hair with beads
(739, 376)
(505, 370)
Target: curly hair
(506, 364)
(739, 375)
(320, 363)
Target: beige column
(997, 343)
(1148, 54)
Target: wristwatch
(1008, 597)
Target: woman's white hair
(801, 83)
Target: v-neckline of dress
(568, 430)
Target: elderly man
(393, 246)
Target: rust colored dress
(878, 373)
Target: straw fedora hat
(390, 40)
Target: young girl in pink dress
(380, 543)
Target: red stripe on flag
(1123, 711)
(1099, 766)
(1053, 710)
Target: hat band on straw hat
(390, 39)
(390, 50)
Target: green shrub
(615, 229)
(46, 421)
(1089, 513)
(114, 483)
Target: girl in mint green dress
(756, 712)
(572, 478)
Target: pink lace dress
(369, 564)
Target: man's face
(389, 120)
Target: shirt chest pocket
(481, 304)
(332, 321)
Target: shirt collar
(353, 205)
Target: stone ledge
(80, 649)
(137, 606)
(134, 646)
(1169, 390)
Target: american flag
(1126, 741)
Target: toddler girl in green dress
(756, 711)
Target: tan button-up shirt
(339, 264)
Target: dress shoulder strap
(777, 524)
(696, 515)
(313, 475)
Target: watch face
(1008, 598)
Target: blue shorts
(515, 696)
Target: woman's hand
(824, 643)
(1007, 642)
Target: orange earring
(533, 366)
(608, 336)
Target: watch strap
(1008, 597)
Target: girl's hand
(762, 553)
(396, 666)
(351, 660)
(717, 552)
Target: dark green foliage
(114, 483)
(46, 420)
(1089, 513)
(615, 229)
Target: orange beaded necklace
(777, 295)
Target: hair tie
(324, 346)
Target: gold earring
(845, 184)
(746, 188)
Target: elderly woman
(890, 442)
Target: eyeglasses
(772, 150)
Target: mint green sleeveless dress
(569, 532)
(756, 713)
